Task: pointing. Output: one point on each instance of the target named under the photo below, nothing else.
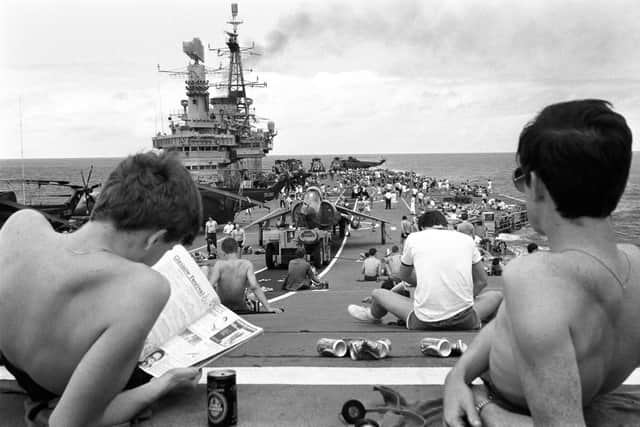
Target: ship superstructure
(217, 136)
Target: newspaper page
(194, 327)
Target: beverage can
(222, 401)
(331, 347)
(438, 347)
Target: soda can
(222, 399)
(438, 347)
(364, 349)
(331, 347)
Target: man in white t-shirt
(447, 270)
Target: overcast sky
(366, 76)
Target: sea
(475, 167)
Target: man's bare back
(76, 308)
(232, 277)
(49, 292)
(233, 282)
(601, 315)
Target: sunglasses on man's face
(519, 179)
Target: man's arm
(479, 278)
(257, 290)
(459, 406)
(407, 272)
(90, 397)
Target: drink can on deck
(222, 400)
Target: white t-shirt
(442, 260)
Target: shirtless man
(231, 277)
(77, 307)
(567, 331)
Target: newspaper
(194, 327)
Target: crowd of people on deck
(564, 333)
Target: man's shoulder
(26, 218)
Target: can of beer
(438, 347)
(222, 399)
(331, 347)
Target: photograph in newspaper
(194, 327)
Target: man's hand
(459, 403)
(275, 310)
(180, 379)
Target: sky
(357, 77)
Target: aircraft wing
(14, 207)
(271, 215)
(348, 211)
(234, 196)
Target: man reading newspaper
(76, 308)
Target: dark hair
(395, 248)
(229, 245)
(532, 247)
(300, 253)
(464, 215)
(581, 150)
(432, 217)
(404, 217)
(151, 191)
(372, 251)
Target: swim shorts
(467, 319)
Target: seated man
(74, 321)
(447, 271)
(232, 278)
(301, 275)
(567, 333)
(371, 266)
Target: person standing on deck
(210, 230)
(405, 229)
(239, 236)
(567, 334)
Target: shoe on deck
(362, 313)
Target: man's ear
(154, 238)
(540, 192)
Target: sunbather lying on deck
(76, 308)
(232, 278)
(568, 331)
(447, 271)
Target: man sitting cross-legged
(232, 277)
(76, 308)
(568, 332)
(447, 271)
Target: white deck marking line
(311, 375)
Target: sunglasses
(518, 179)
